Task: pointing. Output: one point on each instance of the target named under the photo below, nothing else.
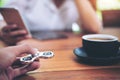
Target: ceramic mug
(100, 45)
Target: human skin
(9, 55)
(90, 21)
(11, 34)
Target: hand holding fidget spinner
(31, 57)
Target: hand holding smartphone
(12, 16)
(15, 30)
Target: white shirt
(44, 15)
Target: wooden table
(65, 65)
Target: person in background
(51, 15)
(8, 57)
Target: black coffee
(103, 39)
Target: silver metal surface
(31, 57)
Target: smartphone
(12, 16)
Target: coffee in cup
(100, 45)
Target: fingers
(9, 28)
(18, 50)
(24, 48)
(9, 55)
(14, 39)
(11, 34)
(28, 36)
(23, 70)
(15, 33)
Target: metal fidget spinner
(31, 57)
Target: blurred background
(107, 10)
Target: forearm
(90, 21)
